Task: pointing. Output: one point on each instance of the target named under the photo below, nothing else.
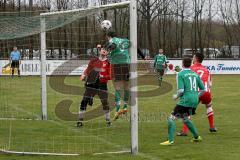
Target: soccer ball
(177, 68)
(106, 25)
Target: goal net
(55, 48)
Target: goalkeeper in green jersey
(188, 86)
(160, 64)
(120, 61)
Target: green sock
(118, 99)
(191, 127)
(171, 129)
(117, 108)
(126, 98)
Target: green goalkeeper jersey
(159, 61)
(190, 82)
(120, 53)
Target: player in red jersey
(206, 98)
(96, 75)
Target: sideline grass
(22, 95)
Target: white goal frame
(133, 67)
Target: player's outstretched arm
(82, 77)
(89, 68)
(155, 61)
(179, 94)
(180, 87)
(10, 58)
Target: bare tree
(226, 11)
(182, 10)
(198, 24)
(149, 10)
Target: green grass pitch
(20, 99)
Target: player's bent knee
(172, 118)
(209, 105)
(83, 105)
(186, 119)
(209, 110)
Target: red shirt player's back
(204, 73)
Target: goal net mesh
(71, 39)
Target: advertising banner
(76, 67)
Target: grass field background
(20, 98)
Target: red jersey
(204, 74)
(103, 66)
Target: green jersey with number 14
(190, 82)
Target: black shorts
(15, 64)
(161, 71)
(101, 90)
(181, 112)
(121, 72)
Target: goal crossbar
(90, 9)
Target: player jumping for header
(206, 98)
(120, 61)
(188, 83)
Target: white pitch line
(37, 153)
(118, 152)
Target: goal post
(43, 69)
(133, 69)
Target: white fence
(76, 67)
(216, 66)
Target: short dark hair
(187, 62)
(199, 57)
(104, 46)
(111, 34)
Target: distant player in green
(188, 86)
(120, 60)
(160, 64)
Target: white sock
(107, 115)
(209, 111)
(81, 114)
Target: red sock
(211, 120)
(210, 116)
(184, 128)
